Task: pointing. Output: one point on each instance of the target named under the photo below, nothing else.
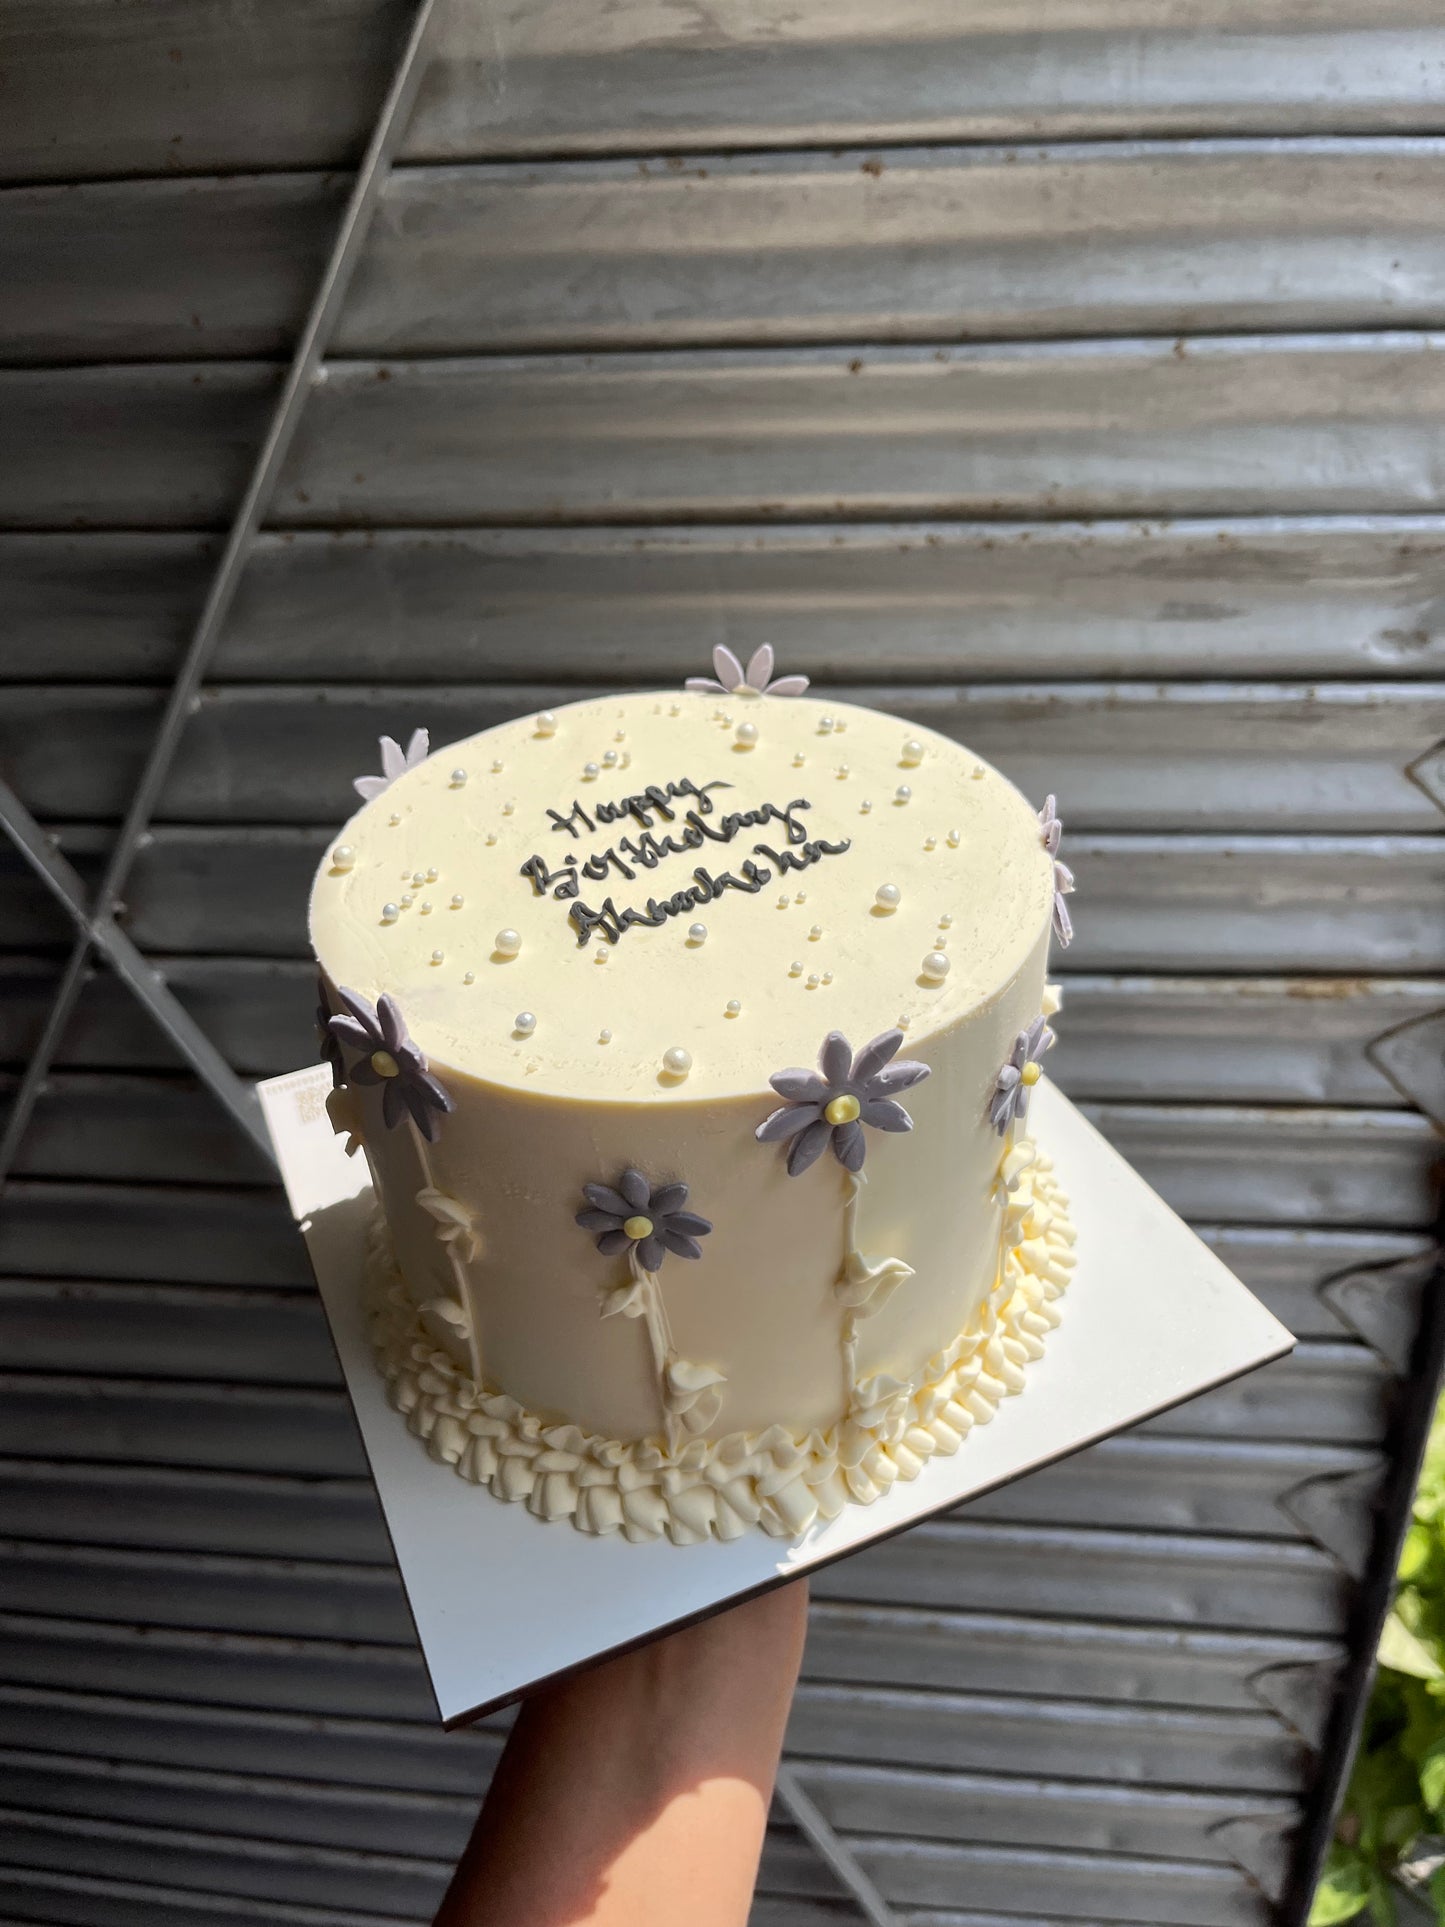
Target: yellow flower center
(384, 1064)
(638, 1227)
(1030, 1074)
(842, 1110)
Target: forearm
(637, 1794)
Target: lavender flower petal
(637, 1191)
(393, 1103)
(809, 1146)
(850, 1146)
(801, 1087)
(835, 1059)
(595, 1220)
(871, 1059)
(348, 1031)
(787, 686)
(651, 1252)
(901, 1076)
(727, 668)
(679, 1242)
(666, 1199)
(884, 1115)
(760, 666)
(786, 1122)
(689, 1222)
(393, 1030)
(606, 1199)
(611, 1242)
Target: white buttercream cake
(689, 1038)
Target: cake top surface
(847, 871)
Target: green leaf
(1405, 1652)
(1344, 1889)
(1432, 1777)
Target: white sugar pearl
(783, 903)
(930, 843)
(524, 1023)
(827, 976)
(747, 735)
(589, 772)
(390, 912)
(496, 766)
(393, 819)
(815, 933)
(604, 1036)
(507, 943)
(507, 808)
(799, 760)
(697, 933)
(888, 896)
(813, 982)
(825, 725)
(546, 723)
(407, 900)
(436, 956)
(733, 1006)
(431, 876)
(418, 876)
(912, 753)
(902, 793)
(609, 759)
(842, 771)
(470, 977)
(601, 956)
(491, 836)
(459, 777)
(944, 921)
(795, 969)
(677, 1062)
(801, 897)
(863, 808)
(426, 909)
(343, 856)
(935, 966)
(457, 901)
(954, 839)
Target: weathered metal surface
(190, 87)
(877, 1645)
(1346, 905)
(1141, 1482)
(259, 1336)
(196, 1233)
(1349, 596)
(1188, 756)
(955, 1732)
(206, 87)
(931, 243)
(1275, 1167)
(1291, 1269)
(1309, 424)
(1230, 1039)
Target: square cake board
(503, 1601)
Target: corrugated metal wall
(1060, 375)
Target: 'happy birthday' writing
(646, 848)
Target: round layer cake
(688, 1036)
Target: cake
(689, 1038)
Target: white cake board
(503, 1600)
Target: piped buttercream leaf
(866, 1284)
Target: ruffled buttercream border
(721, 1487)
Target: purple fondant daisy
(1009, 1101)
(638, 1216)
(328, 1046)
(395, 761)
(1052, 830)
(756, 680)
(387, 1056)
(832, 1104)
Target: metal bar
(99, 925)
(145, 983)
(1420, 1388)
(833, 1852)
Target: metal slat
(1191, 756)
(977, 1733)
(206, 88)
(1288, 1268)
(1377, 1168)
(256, 1336)
(1356, 905)
(957, 1566)
(1142, 1482)
(1304, 424)
(72, 1900)
(1337, 1394)
(201, 1234)
(1348, 596)
(875, 1645)
(932, 243)
(1222, 1039)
